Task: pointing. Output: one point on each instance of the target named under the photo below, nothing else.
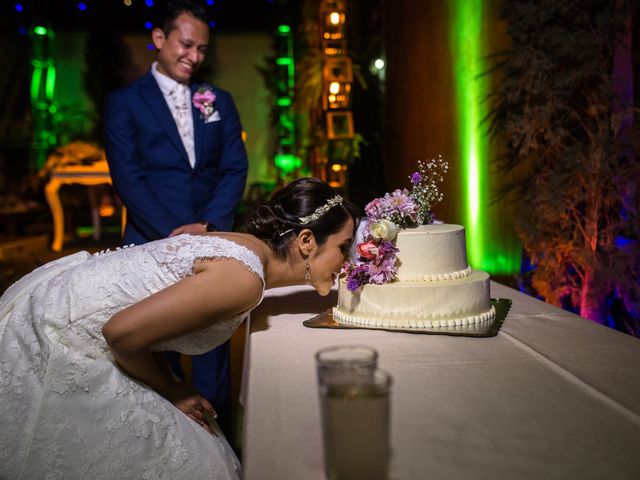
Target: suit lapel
(198, 124)
(152, 95)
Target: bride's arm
(222, 290)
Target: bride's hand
(187, 400)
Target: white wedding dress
(66, 410)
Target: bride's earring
(307, 269)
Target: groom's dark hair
(172, 10)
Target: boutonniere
(203, 99)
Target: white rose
(383, 230)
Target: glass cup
(355, 408)
(339, 360)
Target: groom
(177, 158)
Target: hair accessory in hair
(285, 232)
(321, 210)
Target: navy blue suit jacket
(150, 167)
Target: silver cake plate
(489, 329)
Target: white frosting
(409, 324)
(432, 252)
(434, 288)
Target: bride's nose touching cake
(410, 272)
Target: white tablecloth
(553, 395)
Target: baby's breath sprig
(425, 187)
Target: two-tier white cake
(434, 286)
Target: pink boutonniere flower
(203, 99)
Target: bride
(83, 390)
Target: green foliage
(571, 151)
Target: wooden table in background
(89, 175)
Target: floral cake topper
(386, 215)
(203, 99)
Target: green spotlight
(488, 248)
(36, 80)
(466, 39)
(50, 83)
(287, 162)
(284, 102)
(284, 61)
(40, 30)
(284, 29)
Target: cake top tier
(432, 252)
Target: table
(95, 174)
(553, 395)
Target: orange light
(336, 167)
(334, 18)
(106, 210)
(334, 88)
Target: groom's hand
(189, 228)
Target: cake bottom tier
(409, 305)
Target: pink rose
(368, 250)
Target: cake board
(491, 329)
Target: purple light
(19, 7)
(150, 47)
(82, 6)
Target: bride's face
(328, 259)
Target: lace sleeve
(179, 256)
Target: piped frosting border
(407, 323)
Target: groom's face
(182, 50)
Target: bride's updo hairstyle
(279, 220)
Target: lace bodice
(110, 281)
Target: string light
(127, 3)
(82, 6)
(19, 7)
(148, 25)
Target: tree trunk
(591, 301)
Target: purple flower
(374, 210)
(387, 249)
(383, 273)
(357, 275)
(415, 178)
